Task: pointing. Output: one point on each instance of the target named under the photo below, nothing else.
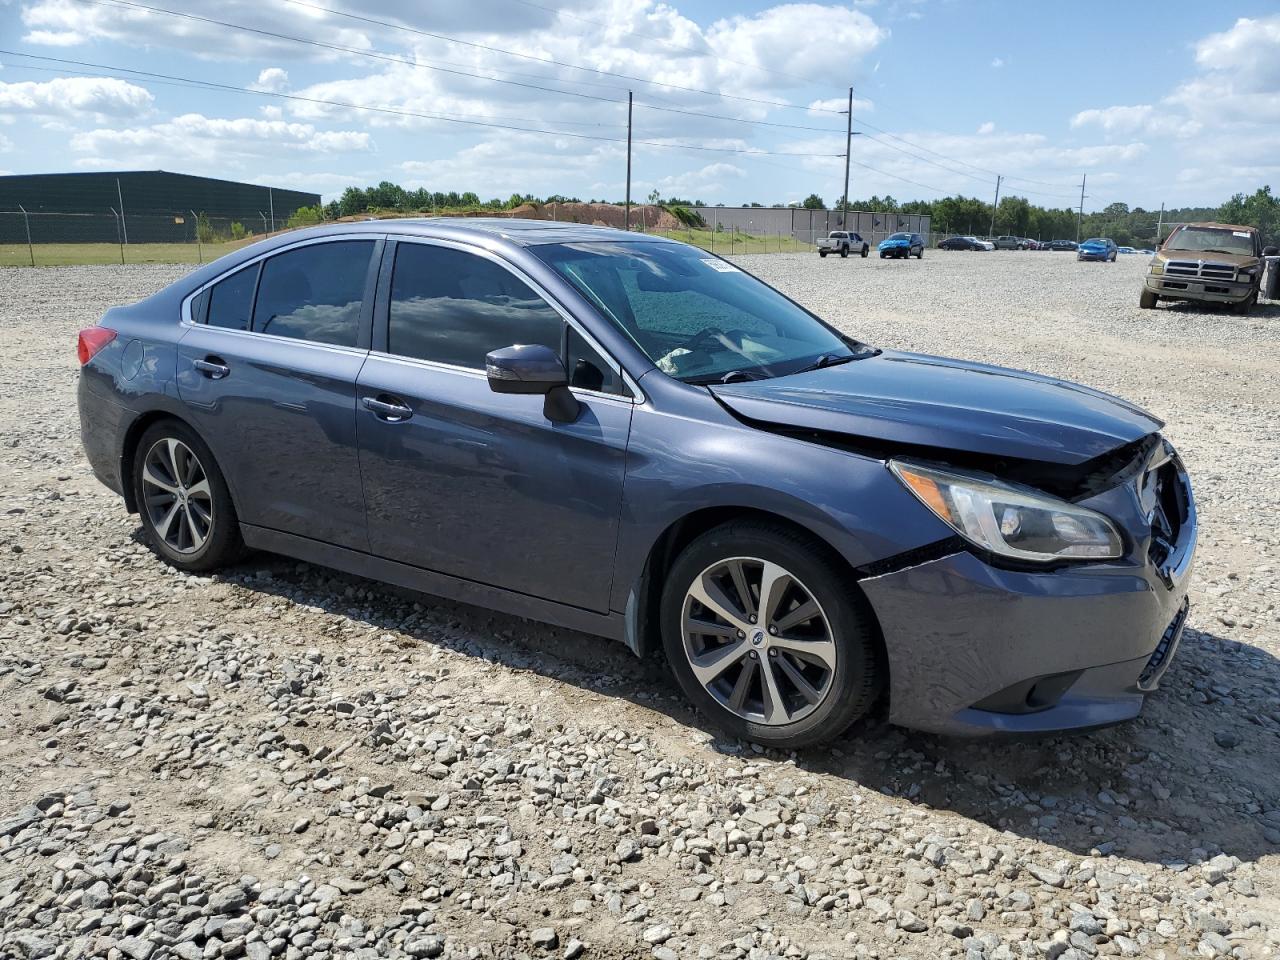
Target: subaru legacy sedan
(633, 438)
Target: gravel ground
(285, 762)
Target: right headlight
(1011, 520)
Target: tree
(813, 202)
(1262, 210)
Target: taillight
(91, 341)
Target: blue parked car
(902, 245)
(1098, 248)
(630, 437)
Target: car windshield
(697, 317)
(1211, 240)
(900, 236)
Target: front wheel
(183, 500)
(844, 252)
(920, 255)
(766, 638)
(1147, 300)
(883, 254)
(865, 251)
(822, 254)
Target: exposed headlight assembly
(1011, 520)
(1157, 266)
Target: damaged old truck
(1216, 263)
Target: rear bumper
(103, 426)
(1186, 288)
(977, 650)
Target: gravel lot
(286, 762)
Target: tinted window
(230, 300)
(314, 292)
(454, 307)
(588, 370)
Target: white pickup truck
(843, 242)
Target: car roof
(1221, 226)
(513, 230)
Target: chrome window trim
(474, 249)
(328, 238)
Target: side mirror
(533, 369)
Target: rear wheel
(920, 255)
(1147, 300)
(844, 252)
(822, 254)
(766, 638)
(865, 251)
(183, 499)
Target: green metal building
(136, 206)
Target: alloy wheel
(177, 496)
(758, 641)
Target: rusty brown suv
(1211, 262)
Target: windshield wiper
(733, 376)
(828, 360)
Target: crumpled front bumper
(974, 649)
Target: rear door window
(314, 293)
(231, 299)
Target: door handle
(212, 367)
(389, 409)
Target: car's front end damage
(979, 645)
(1215, 278)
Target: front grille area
(1200, 269)
(1159, 661)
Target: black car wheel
(1147, 300)
(766, 638)
(865, 250)
(822, 254)
(844, 251)
(183, 499)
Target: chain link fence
(54, 239)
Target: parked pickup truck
(1009, 243)
(1209, 262)
(843, 242)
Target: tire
(1147, 300)
(865, 250)
(822, 254)
(1247, 304)
(203, 531)
(883, 254)
(844, 252)
(842, 628)
(920, 255)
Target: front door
(267, 373)
(480, 485)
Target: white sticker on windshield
(1239, 233)
(721, 266)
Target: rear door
(475, 484)
(267, 371)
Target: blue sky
(1171, 102)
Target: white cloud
(101, 96)
(1140, 118)
(5, 144)
(997, 63)
(195, 136)
(272, 80)
(988, 127)
(819, 107)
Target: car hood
(908, 398)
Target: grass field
(77, 254)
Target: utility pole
(992, 229)
(848, 151)
(27, 221)
(1084, 177)
(628, 214)
(1159, 226)
(124, 227)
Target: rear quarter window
(231, 299)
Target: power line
(211, 84)
(429, 63)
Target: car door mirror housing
(533, 369)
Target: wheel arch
(129, 449)
(643, 619)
